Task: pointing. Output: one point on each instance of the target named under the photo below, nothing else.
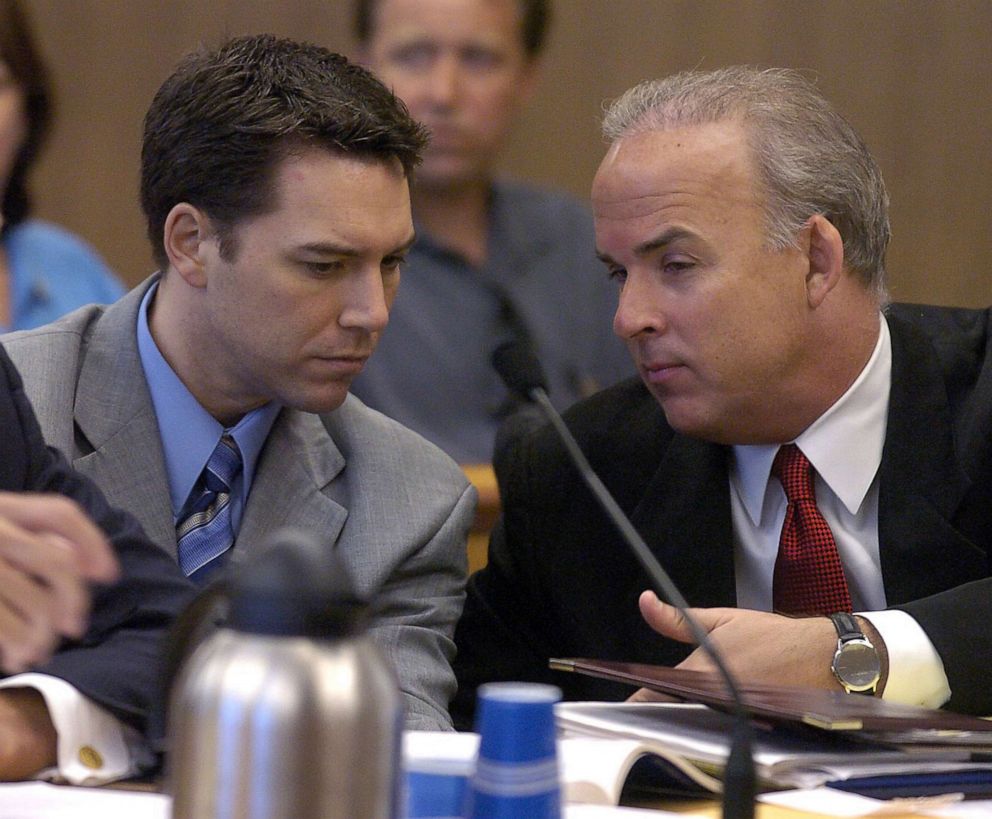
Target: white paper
(592, 769)
(440, 752)
(830, 802)
(31, 800)
(783, 758)
(606, 812)
(968, 809)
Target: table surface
(699, 807)
(711, 808)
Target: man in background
(212, 401)
(493, 259)
(794, 444)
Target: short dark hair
(221, 124)
(19, 52)
(535, 20)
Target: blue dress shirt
(189, 433)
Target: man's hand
(28, 742)
(49, 552)
(757, 646)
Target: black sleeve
(116, 663)
(505, 631)
(559, 581)
(957, 623)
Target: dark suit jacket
(116, 662)
(560, 582)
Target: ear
(826, 259)
(189, 239)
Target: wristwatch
(856, 664)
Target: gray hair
(809, 158)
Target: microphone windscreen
(519, 368)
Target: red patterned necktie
(809, 578)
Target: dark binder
(827, 710)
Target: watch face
(856, 664)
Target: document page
(31, 800)
(784, 757)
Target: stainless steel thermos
(288, 711)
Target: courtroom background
(912, 75)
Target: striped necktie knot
(205, 531)
(223, 466)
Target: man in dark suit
(57, 536)
(746, 224)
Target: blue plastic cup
(436, 792)
(516, 774)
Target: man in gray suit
(275, 186)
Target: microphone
(521, 372)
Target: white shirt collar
(844, 445)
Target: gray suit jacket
(392, 504)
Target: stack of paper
(785, 756)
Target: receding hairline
(533, 28)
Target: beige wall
(913, 76)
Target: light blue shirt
(52, 272)
(189, 433)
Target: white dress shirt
(94, 747)
(844, 446)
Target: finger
(17, 649)
(54, 606)
(647, 695)
(67, 603)
(59, 515)
(663, 618)
(32, 553)
(699, 660)
(43, 563)
(27, 634)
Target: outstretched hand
(757, 646)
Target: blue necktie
(205, 531)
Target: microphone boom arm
(739, 778)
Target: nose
(367, 303)
(639, 311)
(443, 80)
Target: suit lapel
(684, 516)
(684, 513)
(921, 483)
(293, 485)
(114, 413)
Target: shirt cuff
(916, 672)
(93, 746)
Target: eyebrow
(651, 245)
(331, 249)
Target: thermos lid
(296, 587)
